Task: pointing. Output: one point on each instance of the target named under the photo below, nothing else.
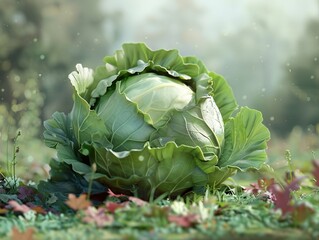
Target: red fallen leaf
(26, 235)
(97, 217)
(78, 203)
(184, 221)
(137, 201)
(282, 198)
(262, 185)
(112, 194)
(19, 207)
(261, 188)
(315, 171)
(39, 209)
(112, 206)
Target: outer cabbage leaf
(86, 124)
(245, 141)
(58, 134)
(220, 175)
(223, 96)
(216, 86)
(58, 130)
(64, 180)
(73, 158)
(150, 172)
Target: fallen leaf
(39, 209)
(137, 201)
(262, 186)
(97, 217)
(112, 194)
(111, 207)
(282, 197)
(78, 203)
(26, 235)
(17, 207)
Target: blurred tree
(20, 98)
(72, 33)
(20, 27)
(40, 43)
(43, 40)
(298, 97)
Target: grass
(233, 212)
(239, 216)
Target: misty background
(267, 50)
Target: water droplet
(263, 89)
(308, 99)
(42, 57)
(288, 64)
(312, 77)
(141, 158)
(85, 152)
(289, 70)
(40, 75)
(315, 59)
(272, 118)
(35, 39)
(2, 89)
(244, 97)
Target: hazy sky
(208, 29)
(216, 16)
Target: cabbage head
(155, 123)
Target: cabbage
(155, 123)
